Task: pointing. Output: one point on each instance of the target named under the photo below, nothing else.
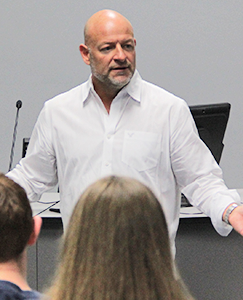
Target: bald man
(117, 123)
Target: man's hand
(236, 219)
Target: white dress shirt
(149, 134)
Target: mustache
(120, 66)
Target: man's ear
(36, 230)
(84, 50)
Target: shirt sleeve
(37, 172)
(196, 171)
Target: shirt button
(108, 136)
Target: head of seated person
(18, 229)
(116, 246)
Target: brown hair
(116, 246)
(16, 223)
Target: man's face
(112, 55)
(113, 62)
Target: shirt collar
(133, 88)
(87, 88)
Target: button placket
(110, 124)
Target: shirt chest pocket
(141, 150)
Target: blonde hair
(116, 246)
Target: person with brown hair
(117, 247)
(18, 229)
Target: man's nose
(120, 54)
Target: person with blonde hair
(117, 247)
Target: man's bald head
(102, 21)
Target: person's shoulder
(161, 96)
(67, 96)
(7, 286)
(9, 290)
(32, 295)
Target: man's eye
(128, 47)
(106, 49)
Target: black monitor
(211, 121)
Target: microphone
(18, 105)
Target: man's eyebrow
(114, 42)
(128, 40)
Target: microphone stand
(18, 105)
